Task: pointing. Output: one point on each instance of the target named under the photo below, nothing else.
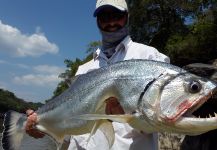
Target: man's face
(111, 19)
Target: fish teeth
(215, 114)
(210, 116)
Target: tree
(8, 101)
(199, 44)
(183, 30)
(152, 20)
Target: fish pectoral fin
(103, 123)
(93, 131)
(107, 128)
(126, 118)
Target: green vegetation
(186, 31)
(8, 101)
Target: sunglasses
(111, 16)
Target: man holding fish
(112, 20)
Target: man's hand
(30, 124)
(113, 106)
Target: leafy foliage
(198, 46)
(183, 30)
(8, 101)
(152, 20)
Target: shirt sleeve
(82, 69)
(159, 56)
(142, 51)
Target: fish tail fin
(13, 130)
(14, 136)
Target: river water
(36, 144)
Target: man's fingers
(32, 119)
(30, 125)
(36, 134)
(29, 112)
(33, 132)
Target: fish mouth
(206, 107)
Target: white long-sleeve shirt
(126, 138)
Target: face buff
(111, 39)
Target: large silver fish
(155, 96)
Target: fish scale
(128, 70)
(147, 90)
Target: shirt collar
(124, 44)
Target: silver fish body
(155, 96)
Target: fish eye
(194, 87)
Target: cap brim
(107, 6)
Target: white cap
(119, 4)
